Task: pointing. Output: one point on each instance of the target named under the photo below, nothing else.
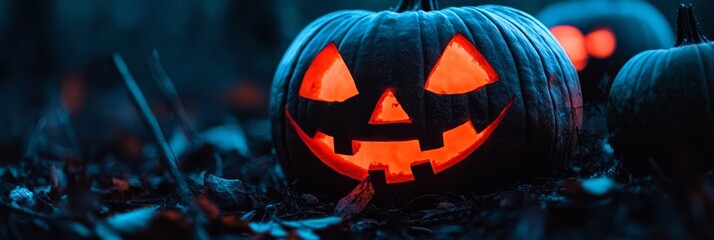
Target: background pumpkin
(398, 50)
(661, 106)
(600, 36)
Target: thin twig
(169, 91)
(659, 171)
(152, 123)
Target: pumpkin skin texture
(600, 36)
(661, 110)
(523, 101)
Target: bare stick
(153, 124)
(169, 90)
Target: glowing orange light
(388, 110)
(396, 157)
(247, 95)
(72, 95)
(460, 69)
(601, 43)
(328, 78)
(573, 42)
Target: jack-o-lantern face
(460, 70)
(460, 98)
(599, 41)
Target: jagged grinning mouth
(397, 157)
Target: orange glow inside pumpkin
(601, 43)
(460, 69)
(328, 79)
(388, 110)
(573, 42)
(397, 157)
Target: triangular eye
(328, 79)
(460, 69)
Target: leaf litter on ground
(97, 195)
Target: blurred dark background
(220, 54)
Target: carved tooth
(430, 141)
(343, 145)
(422, 170)
(378, 177)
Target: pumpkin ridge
(709, 75)
(653, 83)
(637, 64)
(544, 75)
(573, 110)
(469, 37)
(627, 72)
(558, 57)
(517, 63)
(423, 69)
(489, 107)
(636, 90)
(705, 83)
(641, 87)
(347, 33)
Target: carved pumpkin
(600, 36)
(461, 98)
(660, 105)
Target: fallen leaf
(168, 224)
(121, 184)
(208, 207)
(352, 204)
(229, 194)
(21, 196)
(596, 187)
(235, 224)
(304, 229)
(229, 137)
(309, 199)
(131, 222)
(316, 223)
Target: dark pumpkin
(423, 100)
(661, 111)
(600, 36)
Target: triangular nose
(388, 110)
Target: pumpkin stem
(688, 30)
(415, 5)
